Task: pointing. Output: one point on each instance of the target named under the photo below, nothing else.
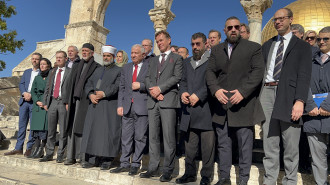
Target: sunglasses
(196, 43)
(237, 27)
(281, 19)
(325, 39)
(310, 38)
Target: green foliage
(8, 41)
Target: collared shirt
(139, 68)
(286, 40)
(62, 74)
(70, 63)
(230, 51)
(325, 54)
(167, 53)
(34, 73)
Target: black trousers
(244, 136)
(207, 139)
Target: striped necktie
(278, 60)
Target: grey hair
(150, 41)
(140, 46)
(325, 30)
(75, 47)
(298, 27)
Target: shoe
(27, 152)
(34, 152)
(119, 170)
(133, 171)
(59, 159)
(39, 154)
(105, 166)
(185, 179)
(14, 152)
(70, 162)
(242, 182)
(46, 158)
(85, 164)
(205, 181)
(166, 177)
(149, 174)
(224, 181)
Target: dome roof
(311, 14)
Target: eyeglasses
(325, 39)
(196, 43)
(281, 19)
(310, 38)
(237, 27)
(146, 45)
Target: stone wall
(9, 95)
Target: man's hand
(67, 107)
(154, 91)
(99, 94)
(120, 111)
(93, 99)
(236, 98)
(46, 108)
(184, 98)
(324, 112)
(39, 103)
(135, 86)
(222, 98)
(297, 110)
(27, 96)
(160, 97)
(193, 99)
(314, 112)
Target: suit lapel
(28, 77)
(130, 74)
(67, 71)
(292, 43)
(166, 62)
(270, 53)
(142, 70)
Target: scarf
(44, 74)
(125, 59)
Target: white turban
(109, 49)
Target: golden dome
(311, 14)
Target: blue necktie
(278, 60)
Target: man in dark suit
(234, 76)
(132, 106)
(162, 80)
(56, 108)
(25, 109)
(77, 102)
(286, 83)
(196, 120)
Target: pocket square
(171, 60)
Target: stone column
(254, 10)
(161, 16)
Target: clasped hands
(319, 111)
(236, 98)
(96, 97)
(155, 93)
(186, 98)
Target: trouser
(25, 113)
(207, 140)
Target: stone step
(95, 175)
(9, 122)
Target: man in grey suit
(56, 108)
(162, 80)
(286, 83)
(132, 106)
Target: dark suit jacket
(243, 71)
(295, 76)
(126, 93)
(193, 81)
(170, 76)
(50, 85)
(24, 84)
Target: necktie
(161, 64)
(57, 84)
(230, 47)
(278, 60)
(163, 59)
(324, 57)
(135, 72)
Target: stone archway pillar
(161, 16)
(254, 10)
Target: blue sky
(127, 20)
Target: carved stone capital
(255, 8)
(161, 17)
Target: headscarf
(125, 59)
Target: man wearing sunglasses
(234, 76)
(316, 124)
(283, 96)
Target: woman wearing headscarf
(121, 58)
(39, 121)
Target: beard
(106, 63)
(198, 55)
(233, 38)
(86, 58)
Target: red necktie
(135, 75)
(57, 84)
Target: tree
(8, 41)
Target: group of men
(222, 90)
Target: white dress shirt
(167, 53)
(34, 73)
(62, 74)
(139, 68)
(270, 72)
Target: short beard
(233, 40)
(86, 58)
(106, 63)
(198, 55)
